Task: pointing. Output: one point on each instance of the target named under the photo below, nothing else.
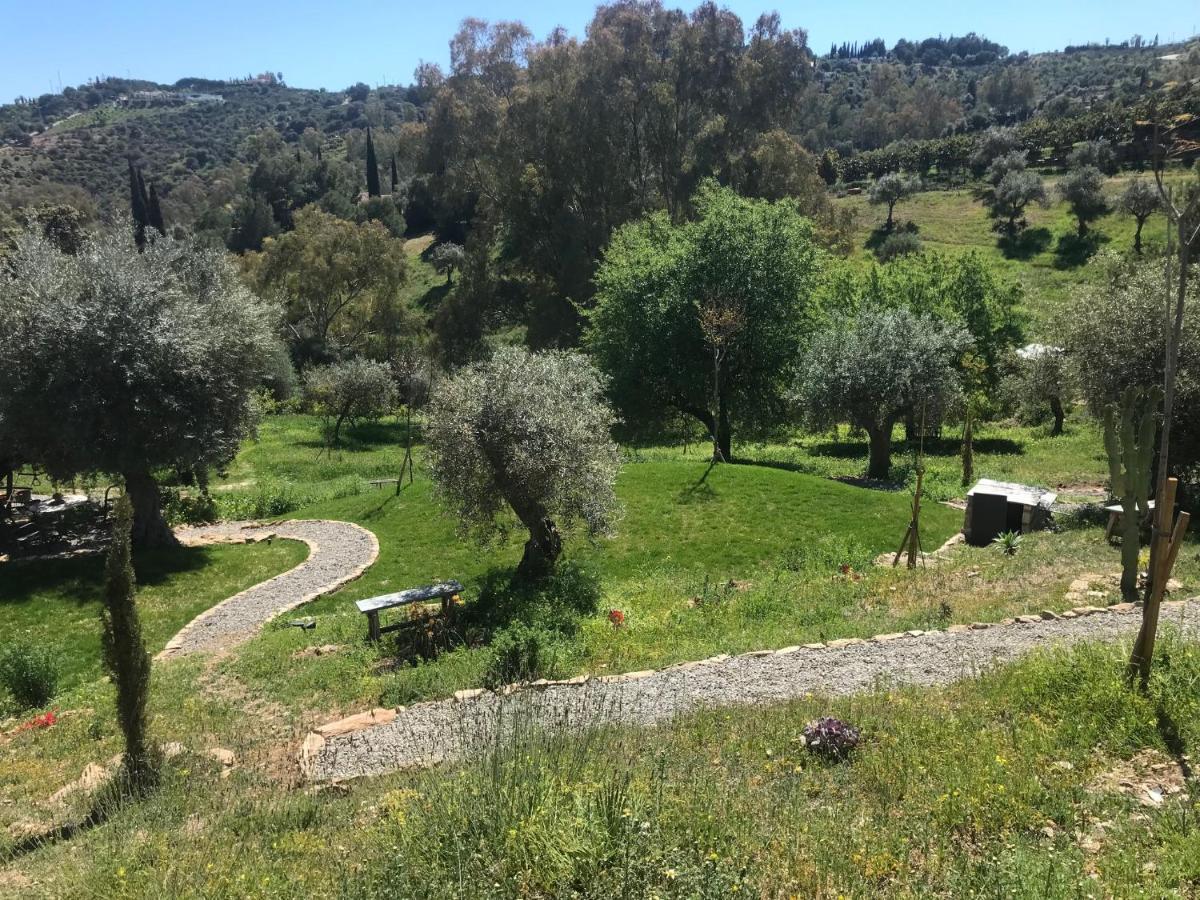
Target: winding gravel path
(445, 730)
(339, 552)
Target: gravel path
(445, 730)
(339, 552)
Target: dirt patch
(1150, 777)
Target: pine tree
(154, 214)
(125, 653)
(372, 168)
(395, 175)
(137, 205)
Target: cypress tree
(372, 168)
(125, 654)
(137, 206)
(395, 175)
(154, 212)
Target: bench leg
(1112, 526)
(373, 626)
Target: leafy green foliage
(29, 673)
(890, 189)
(1083, 189)
(753, 257)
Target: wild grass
(1007, 785)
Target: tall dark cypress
(154, 214)
(125, 654)
(137, 205)
(372, 168)
(395, 175)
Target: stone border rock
(424, 734)
(339, 552)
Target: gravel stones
(339, 552)
(430, 733)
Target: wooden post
(373, 634)
(1168, 534)
(912, 537)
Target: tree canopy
(752, 258)
(121, 362)
(527, 435)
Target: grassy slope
(953, 221)
(57, 603)
(994, 787)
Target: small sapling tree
(1141, 201)
(447, 257)
(528, 435)
(890, 189)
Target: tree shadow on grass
(363, 437)
(1026, 244)
(82, 578)
(701, 491)
(1074, 251)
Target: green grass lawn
(56, 603)
(1046, 265)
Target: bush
(27, 671)
(524, 653)
(899, 244)
(349, 392)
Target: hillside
(74, 146)
(185, 136)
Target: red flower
(45, 720)
(616, 617)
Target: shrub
(28, 673)
(899, 244)
(524, 653)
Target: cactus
(1129, 430)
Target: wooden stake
(1168, 534)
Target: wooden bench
(444, 591)
(378, 483)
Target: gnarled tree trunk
(1056, 408)
(541, 550)
(149, 527)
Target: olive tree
(1083, 189)
(1140, 200)
(525, 435)
(890, 189)
(448, 256)
(1044, 383)
(123, 362)
(1012, 194)
(874, 368)
(348, 392)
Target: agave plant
(1009, 542)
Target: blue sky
(333, 43)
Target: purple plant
(830, 737)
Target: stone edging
(175, 644)
(315, 740)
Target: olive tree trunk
(541, 550)
(149, 527)
(880, 463)
(1056, 408)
